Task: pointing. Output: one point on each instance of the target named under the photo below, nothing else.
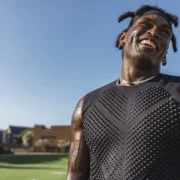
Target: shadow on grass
(30, 168)
(31, 159)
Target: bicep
(79, 153)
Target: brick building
(54, 134)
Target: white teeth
(148, 42)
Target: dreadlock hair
(173, 20)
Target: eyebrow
(151, 20)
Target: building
(2, 137)
(54, 134)
(13, 132)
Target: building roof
(18, 129)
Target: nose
(154, 33)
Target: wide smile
(148, 43)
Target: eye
(166, 32)
(143, 24)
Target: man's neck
(131, 74)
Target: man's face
(147, 41)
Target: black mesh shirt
(133, 132)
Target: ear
(122, 38)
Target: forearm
(78, 164)
(77, 176)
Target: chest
(150, 115)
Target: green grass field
(33, 167)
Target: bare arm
(78, 168)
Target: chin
(144, 63)
(145, 67)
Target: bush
(5, 150)
(63, 146)
(43, 145)
(1, 148)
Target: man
(130, 128)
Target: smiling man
(130, 128)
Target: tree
(25, 131)
(43, 144)
(63, 146)
(27, 138)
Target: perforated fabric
(133, 133)
(95, 172)
(142, 100)
(150, 138)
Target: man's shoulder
(91, 97)
(100, 90)
(171, 78)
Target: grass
(33, 167)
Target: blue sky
(54, 52)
